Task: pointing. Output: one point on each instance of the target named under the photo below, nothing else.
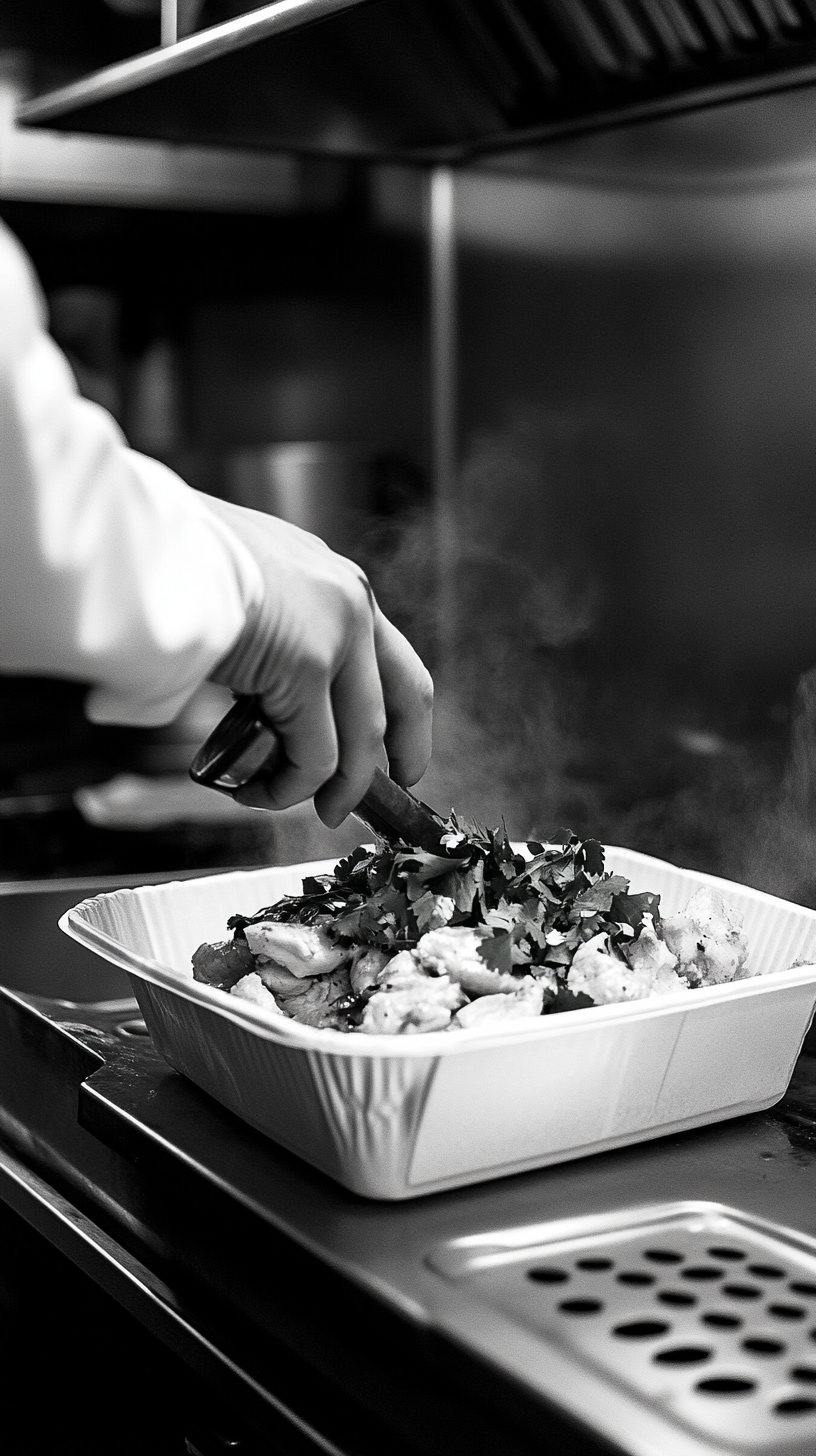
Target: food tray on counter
(398, 1117)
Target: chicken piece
(251, 988)
(606, 979)
(315, 1004)
(304, 950)
(367, 963)
(454, 951)
(708, 940)
(527, 1001)
(410, 1000)
(405, 963)
(222, 964)
(649, 953)
(276, 978)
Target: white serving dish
(396, 1117)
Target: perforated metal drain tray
(705, 1318)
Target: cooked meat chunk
(277, 979)
(454, 951)
(305, 950)
(525, 1002)
(410, 1000)
(365, 967)
(649, 953)
(315, 1004)
(395, 970)
(606, 978)
(251, 988)
(708, 940)
(222, 964)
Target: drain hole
(683, 1355)
(727, 1253)
(795, 1405)
(787, 1311)
(812, 1334)
(594, 1264)
(805, 1373)
(721, 1321)
(799, 1286)
(663, 1256)
(635, 1277)
(742, 1291)
(759, 1346)
(580, 1306)
(725, 1385)
(701, 1271)
(766, 1271)
(676, 1296)
(548, 1276)
(641, 1330)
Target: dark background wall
(635, 547)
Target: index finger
(408, 694)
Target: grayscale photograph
(408, 727)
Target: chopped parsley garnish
(535, 911)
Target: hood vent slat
(679, 32)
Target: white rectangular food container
(396, 1117)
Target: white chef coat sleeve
(112, 570)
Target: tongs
(244, 749)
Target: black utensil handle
(244, 748)
(241, 748)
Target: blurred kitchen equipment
(244, 748)
(134, 801)
(323, 487)
(154, 408)
(439, 80)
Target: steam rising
(782, 854)
(553, 711)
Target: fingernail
(401, 773)
(252, 798)
(332, 818)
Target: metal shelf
(51, 166)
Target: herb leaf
(533, 913)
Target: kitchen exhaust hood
(439, 80)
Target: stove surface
(255, 1243)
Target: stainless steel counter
(323, 1319)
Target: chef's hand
(338, 682)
